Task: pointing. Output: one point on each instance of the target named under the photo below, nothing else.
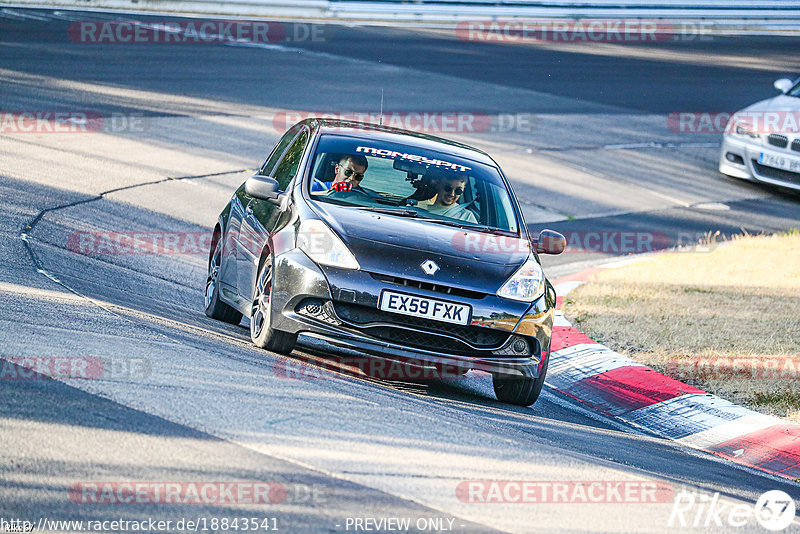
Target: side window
(278, 151)
(287, 168)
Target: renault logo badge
(430, 267)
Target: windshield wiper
(417, 215)
(400, 212)
(463, 226)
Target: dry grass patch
(726, 320)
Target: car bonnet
(398, 246)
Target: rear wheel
(215, 308)
(518, 390)
(261, 331)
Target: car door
(261, 216)
(234, 245)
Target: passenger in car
(445, 201)
(348, 174)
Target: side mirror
(783, 84)
(549, 242)
(263, 187)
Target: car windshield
(410, 181)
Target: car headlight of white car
(743, 128)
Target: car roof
(395, 135)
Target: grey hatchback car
(398, 245)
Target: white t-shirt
(455, 211)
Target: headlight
(527, 284)
(323, 246)
(744, 129)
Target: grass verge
(726, 320)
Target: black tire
(261, 331)
(215, 308)
(518, 390)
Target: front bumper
(346, 315)
(739, 158)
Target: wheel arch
(215, 237)
(266, 251)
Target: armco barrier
(719, 16)
(733, 16)
(715, 9)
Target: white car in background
(762, 142)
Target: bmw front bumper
(739, 158)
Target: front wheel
(518, 390)
(215, 308)
(261, 331)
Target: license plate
(437, 310)
(779, 162)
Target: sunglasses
(354, 174)
(449, 189)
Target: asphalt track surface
(188, 399)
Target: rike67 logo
(774, 510)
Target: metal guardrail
(735, 10)
(581, 4)
(726, 16)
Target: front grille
(420, 340)
(796, 145)
(450, 336)
(776, 174)
(429, 286)
(778, 140)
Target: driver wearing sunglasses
(445, 202)
(348, 174)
